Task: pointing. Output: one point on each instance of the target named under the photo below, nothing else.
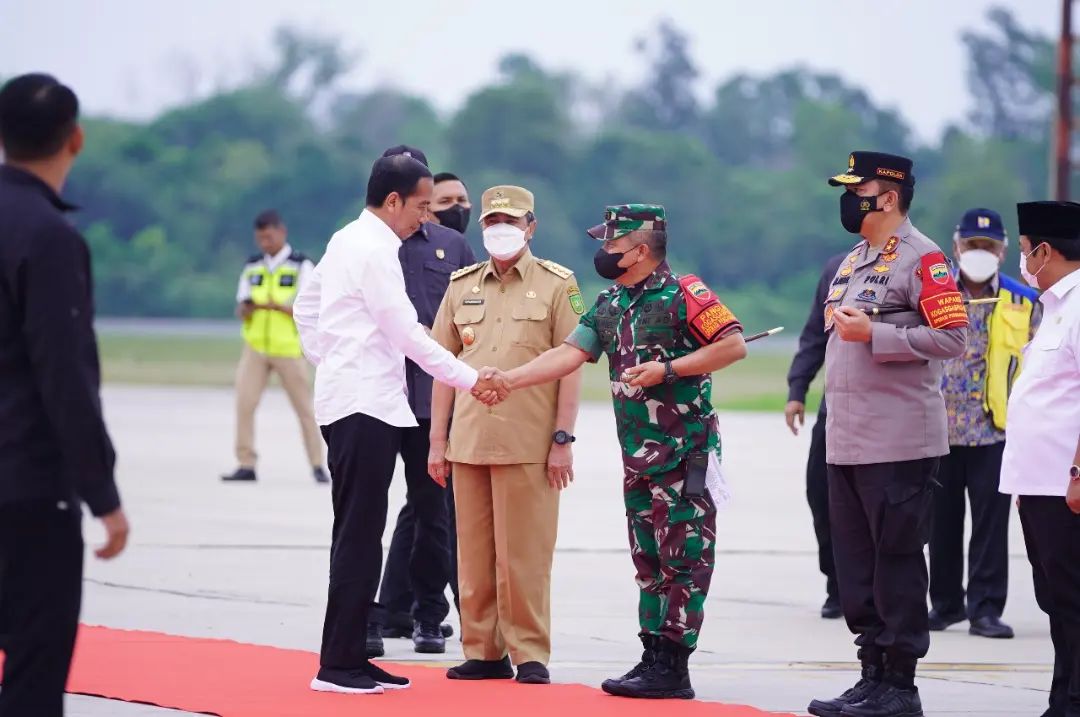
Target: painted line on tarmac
(225, 597)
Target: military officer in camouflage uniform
(886, 427)
(663, 335)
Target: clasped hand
(491, 387)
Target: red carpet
(232, 679)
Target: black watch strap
(669, 373)
(563, 437)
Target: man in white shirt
(357, 325)
(268, 286)
(1042, 447)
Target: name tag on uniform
(288, 280)
(473, 302)
(256, 279)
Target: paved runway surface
(249, 562)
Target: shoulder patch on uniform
(465, 271)
(940, 302)
(557, 269)
(708, 318)
(576, 303)
(298, 257)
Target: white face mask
(1031, 279)
(978, 265)
(504, 241)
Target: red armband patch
(940, 301)
(708, 318)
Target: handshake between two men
(494, 385)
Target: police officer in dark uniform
(55, 452)
(422, 556)
(804, 368)
(886, 427)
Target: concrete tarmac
(249, 562)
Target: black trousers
(977, 470)
(41, 568)
(817, 495)
(361, 455)
(1052, 536)
(423, 551)
(880, 516)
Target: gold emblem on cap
(440, 254)
(468, 336)
(851, 162)
(476, 290)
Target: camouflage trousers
(673, 546)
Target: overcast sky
(133, 58)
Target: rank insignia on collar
(890, 246)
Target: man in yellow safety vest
(976, 388)
(268, 286)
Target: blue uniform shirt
(428, 257)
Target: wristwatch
(669, 373)
(1074, 472)
(562, 438)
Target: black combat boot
(648, 657)
(873, 670)
(667, 678)
(896, 696)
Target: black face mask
(854, 208)
(607, 265)
(456, 217)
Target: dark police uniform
(54, 449)
(805, 365)
(885, 434)
(423, 551)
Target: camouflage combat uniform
(672, 537)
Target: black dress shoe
(482, 670)
(939, 621)
(831, 609)
(320, 475)
(533, 673)
(375, 646)
(240, 475)
(427, 639)
(990, 626)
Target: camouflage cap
(621, 219)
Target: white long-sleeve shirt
(1044, 408)
(357, 325)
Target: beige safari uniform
(507, 512)
(884, 397)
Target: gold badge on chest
(468, 336)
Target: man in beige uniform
(511, 460)
(264, 298)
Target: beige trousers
(507, 521)
(252, 375)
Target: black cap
(1049, 220)
(867, 166)
(408, 151)
(981, 224)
